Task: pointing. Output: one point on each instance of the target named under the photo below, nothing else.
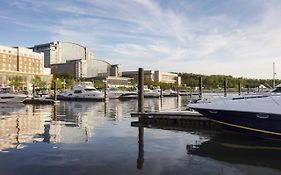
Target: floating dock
(40, 101)
(80, 99)
(174, 119)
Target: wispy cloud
(227, 37)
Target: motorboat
(150, 93)
(258, 115)
(81, 91)
(128, 95)
(113, 93)
(7, 96)
(169, 93)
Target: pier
(174, 120)
(40, 101)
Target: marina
(140, 87)
(91, 136)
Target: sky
(231, 37)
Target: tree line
(217, 81)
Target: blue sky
(234, 37)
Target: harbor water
(97, 138)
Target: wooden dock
(40, 101)
(174, 119)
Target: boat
(81, 91)
(257, 115)
(7, 96)
(169, 93)
(128, 95)
(152, 93)
(113, 93)
(148, 93)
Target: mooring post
(140, 159)
(224, 87)
(239, 88)
(105, 91)
(33, 91)
(248, 89)
(55, 90)
(178, 93)
(200, 88)
(141, 91)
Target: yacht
(7, 96)
(81, 91)
(113, 93)
(169, 93)
(258, 115)
(128, 95)
(152, 93)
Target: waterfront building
(78, 61)
(156, 76)
(60, 52)
(22, 62)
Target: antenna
(274, 74)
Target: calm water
(94, 138)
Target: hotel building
(77, 60)
(23, 62)
(156, 76)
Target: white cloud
(138, 33)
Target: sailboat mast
(273, 75)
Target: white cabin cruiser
(7, 96)
(81, 92)
(152, 93)
(258, 115)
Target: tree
(99, 84)
(37, 82)
(16, 82)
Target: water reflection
(67, 122)
(239, 149)
(96, 138)
(21, 125)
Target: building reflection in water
(67, 122)
(20, 125)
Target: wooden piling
(33, 90)
(140, 159)
(239, 88)
(200, 88)
(105, 91)
(55, 90)
(141, 91)
(225, 87)
(178, 87)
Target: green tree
(37, 82)
(99, 84)
(16, 82)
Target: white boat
(169, 93)
(258, 115)
(7, 96)
(129, 95)
(81, 91)
(113, 93)
(152, 93)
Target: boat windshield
(90, 89)
(277, 90)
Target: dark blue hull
(256, 124)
